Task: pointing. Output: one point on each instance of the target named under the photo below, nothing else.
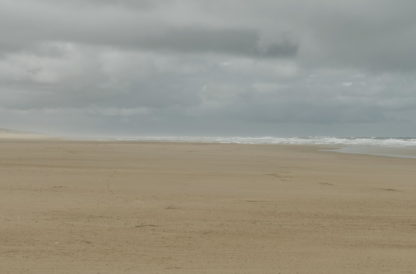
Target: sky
(208, 68)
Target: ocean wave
(364, 141)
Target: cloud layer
(207, 68)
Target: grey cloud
(231, 41)
(196, 67)
(126, 30)
(126, 4)
(373, 35)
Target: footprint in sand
(390, 189)
(326, 184)
(281, 177)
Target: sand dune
(14, 134)
(108, 207)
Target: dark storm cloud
(209, 67)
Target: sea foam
(364, 141)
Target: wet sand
(112, 207)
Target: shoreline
(365, 150)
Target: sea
(401, 147)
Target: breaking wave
(365, 141)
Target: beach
(165, 207)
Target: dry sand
(18, 135)
(107, 207)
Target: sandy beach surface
(113, 207)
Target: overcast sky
(204, 67)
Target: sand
(108, 207)
(18, 135)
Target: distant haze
(213, 68)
